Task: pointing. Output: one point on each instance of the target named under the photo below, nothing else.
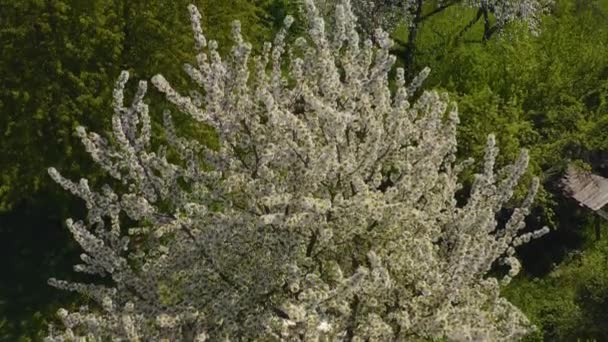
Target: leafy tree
(51, 81)
(328, 209)
(56, 57)
(58, 53)
(413, 14)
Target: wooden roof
(587, 188)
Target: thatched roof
(587, 188)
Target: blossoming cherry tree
(327, 213)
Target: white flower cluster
(390, 13)
(506, 11)
(327, 213)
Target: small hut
(588, 189)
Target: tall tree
(57, 55)
(328, 210)
(53, 66)
(55, 58)
(494, 14)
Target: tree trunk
(126, 40)
(410, 48)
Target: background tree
(57, 58)
(51, 81)
(495, 15)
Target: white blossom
(390, 13)
(328, 211)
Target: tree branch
(438, 10)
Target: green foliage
(570, 302)
(60, 59)
(558, 79)
(546, 93)
(217, 19)
(55, 65)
